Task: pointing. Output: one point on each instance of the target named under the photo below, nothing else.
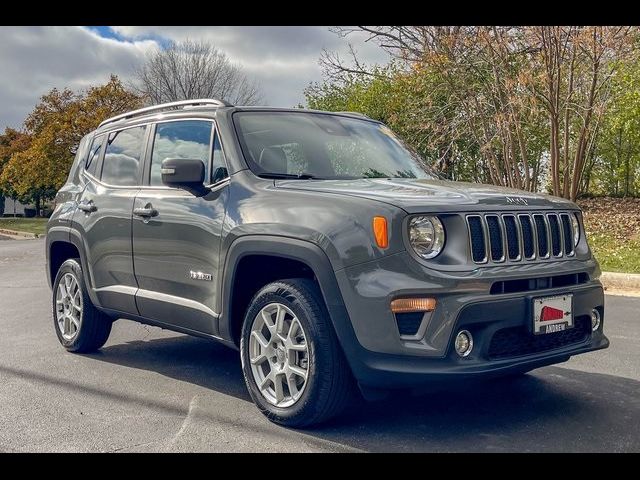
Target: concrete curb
(620, 280)
(16, 233)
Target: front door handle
(146, 212)
(87, 207)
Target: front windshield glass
(317, 145)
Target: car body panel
(424, 195)
(106, 239)
(184, 237)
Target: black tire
(95, 326)
(330, 385)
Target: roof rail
(166, 106)
(357, 114)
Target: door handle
(87, 207)
(147, 212)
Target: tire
(329, 384)
(93, 327)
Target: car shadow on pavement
(550, 409)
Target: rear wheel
(293, 366)
(79, 325)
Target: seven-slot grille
(498, 237)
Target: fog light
(595, 319)
(464, 343)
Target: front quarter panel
(341, 226)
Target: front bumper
(379, 357)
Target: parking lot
(153, 390)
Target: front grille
(556, 239)
(567, 232)
(543, 236)
(519, 341)
(476, 234)
(513, 239)
(528, 245)
(497, 237)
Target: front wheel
(293, 365)
(79, 325)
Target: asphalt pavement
(153, 390)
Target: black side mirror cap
(184, 173)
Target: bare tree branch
(189, 70)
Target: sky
(284, 60)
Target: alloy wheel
(279, 355)
(69, 306)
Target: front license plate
(552, 314)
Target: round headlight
(575, 225)
(426, 236)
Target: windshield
(316, 145)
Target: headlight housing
(426, 236)
(575, 225)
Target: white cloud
(36, 59)
(283, 60)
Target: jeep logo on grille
(517, 201)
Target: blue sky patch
(108, 32)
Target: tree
(38, 166)
(464, 88)
(575, 66)
(189, 70)
(510, 87)
(615, 168)
(11, 142)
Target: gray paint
(139, 268)
(184, 236)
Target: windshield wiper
(298, 176)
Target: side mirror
(184, 173)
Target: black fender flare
(294, 249)
(54, 234)
(69, 235)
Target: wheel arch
(289, 250)
(67, 240)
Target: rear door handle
(147, 212)
(87, 207)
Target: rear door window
(121, 163)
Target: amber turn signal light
(380, 232)
(407, 305)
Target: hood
(418, 195)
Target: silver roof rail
(166, 106)
(357, 114)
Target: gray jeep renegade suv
(321, 247)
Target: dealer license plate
(552, 314)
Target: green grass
(31, 225)
(615, 255)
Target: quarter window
(181, 139)
(94, 155)
(122, 157)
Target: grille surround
(525, 233)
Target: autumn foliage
(524, 107)
(34, 163)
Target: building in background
(12, 207)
